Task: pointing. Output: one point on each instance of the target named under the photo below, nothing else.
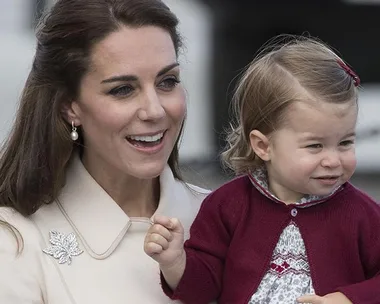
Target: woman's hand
(331, 298)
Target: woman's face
(131, 105)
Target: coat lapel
(113, 260)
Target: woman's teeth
(147, 138)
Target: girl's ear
(260, 144)
(71, 112)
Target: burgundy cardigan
(237, 228)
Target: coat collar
(95, 217)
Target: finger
(176, 226)
(312, 299)
(161, 230)
(159, 240)
(162, 220)
(152, 248)
(172, 224)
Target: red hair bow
(350, 72)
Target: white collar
(96, 218)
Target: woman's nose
(152, 108)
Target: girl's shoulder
(356, 194)
(232, 196)
(237, 188)
(361, 202)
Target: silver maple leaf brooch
(63, 248)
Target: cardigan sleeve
(19, 283)
(206, 250)
(368, 291)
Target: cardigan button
(294, 212)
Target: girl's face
(131, 104)
(314, 151)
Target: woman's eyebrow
(167, 69)
(126, 78)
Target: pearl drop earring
(74, 134)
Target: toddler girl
(290, 228)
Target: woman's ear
(260, 144)
(71, 112)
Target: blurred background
(221, 37)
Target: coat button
(294, 212)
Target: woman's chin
(149, 170)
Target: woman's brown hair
(287, 69)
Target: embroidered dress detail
(288, 275)
(287, 259)
(63, 248)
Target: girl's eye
(347, 143)
(314, 146)
(121, 91)
(169, 83)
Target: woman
(93, 156)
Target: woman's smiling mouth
(147, 142)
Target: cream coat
(113, 267)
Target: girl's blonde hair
(288, 69)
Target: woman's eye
(120, 91)
(314, 146)
(169, 83)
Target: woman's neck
(136, 197)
